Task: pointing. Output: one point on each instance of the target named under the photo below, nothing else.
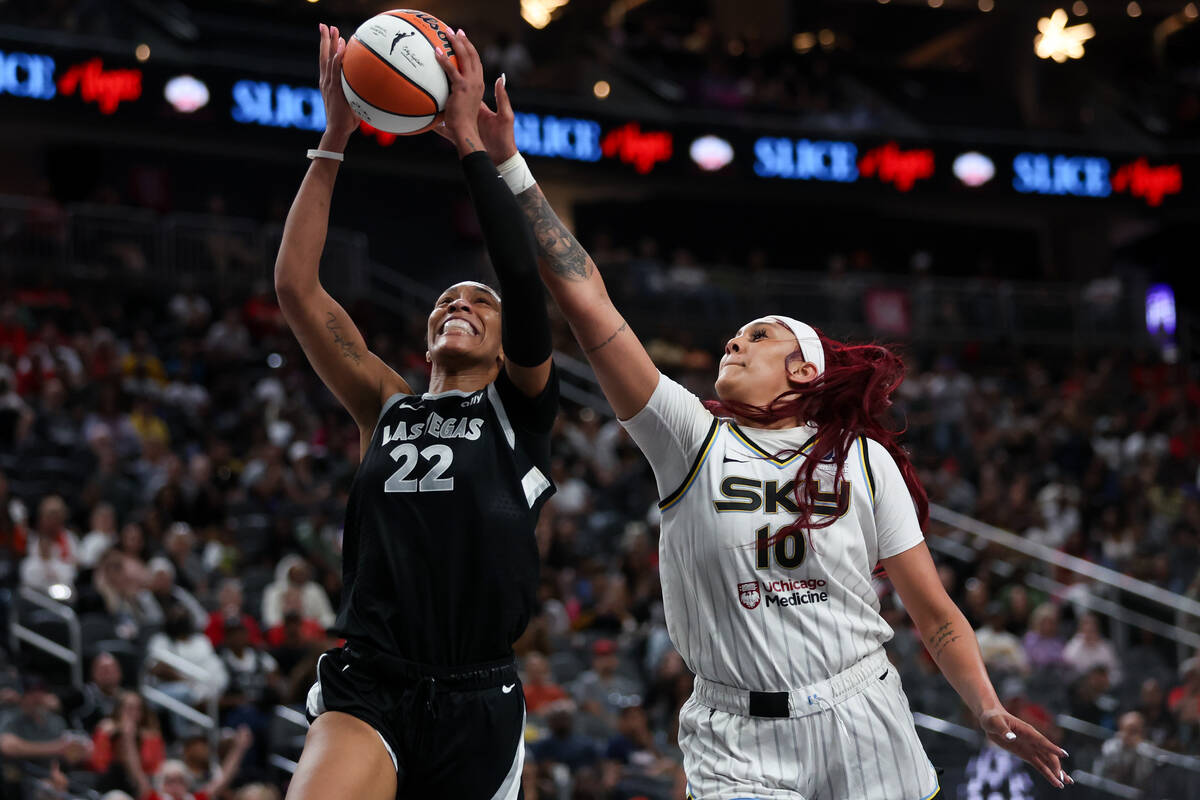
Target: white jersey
(789, 615)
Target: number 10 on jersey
(789, 551)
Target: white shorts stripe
(315, 705)
(510, 789)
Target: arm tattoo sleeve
(348, 349)
(942, 638)
(562, 251)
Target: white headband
(810, 343)
(478, 285)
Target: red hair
(844, 402)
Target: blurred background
(1019, 219)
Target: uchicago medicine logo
(748, 594)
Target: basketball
(390, 75)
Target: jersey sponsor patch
(783, 592)
(748, 594)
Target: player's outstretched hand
(496, 127)
(466, 93)
(1022, 739)
(340, 119)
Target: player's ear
(801, 372)
(428, 358)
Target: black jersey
(440, 563)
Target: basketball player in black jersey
(439, 555)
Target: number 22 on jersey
(441, 456)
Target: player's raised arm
(949, 638)
(334, 346)
(626, 373)
(526, 326)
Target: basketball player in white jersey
(776, 510)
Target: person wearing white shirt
(1087, 649)
(44, 568)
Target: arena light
(711, 153)
(986, 5)
(601, 89)
(538, 13)
(1160, 310)
(142, 52)
(186, 93)
(974, 169)
(1057, 40)
(1079, 8)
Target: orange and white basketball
(391, 77)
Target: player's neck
(469, 379)
(776, 425)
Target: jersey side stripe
(741, 435)
(494, 396)
(705, 447)
(866, 466)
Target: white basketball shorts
(847, 738)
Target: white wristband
(326, 154)
(516, 174)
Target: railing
(72, 654)
(210, 722)
(1086, 599)
(1147, 749)
(294, 717)
(1185, 609)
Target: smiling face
(755, 368)
(464, 328)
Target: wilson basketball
(390, 75)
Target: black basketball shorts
(455, 732)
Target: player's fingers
(323, 59)
(447, 65)
(472, 53)
(1048, 772)
(503, 105)
(469, 57)
(335, 66)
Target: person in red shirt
(229, 605)
(540, 688)
(1184, 700)
(152, 751)
(172, 781)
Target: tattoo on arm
(624, 325)
(942, 638)
(348, 349)
(557, 245)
